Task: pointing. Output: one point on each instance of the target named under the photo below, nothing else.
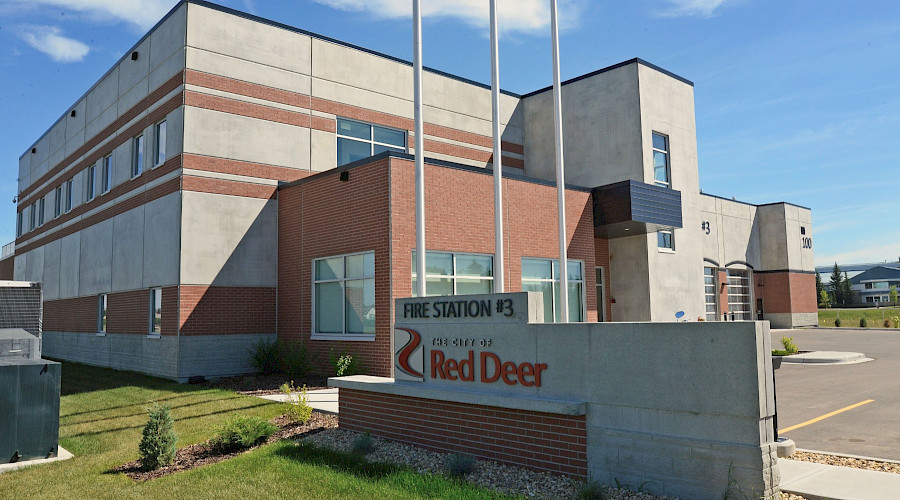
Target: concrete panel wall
(52, 265)
(69, 265)
(228, 240)
(628, 276)
(94, 271)
(601, 127)
(162, 241)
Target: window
(101, 313)
(41, 204)
(69, 185)
(32, 214)
(357, 140)
(159, 151)
(665, 240)
(542, 275)
(739, 295)
(19, 224)
(455, 273)
(710, 280)
(344, 296)
(57, 201)
(601, 301)
(91, 179)
(106, 182)
(137, 156)
(661, 169)
(155, 311)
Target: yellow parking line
(823, 417)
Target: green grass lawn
(103, 412)
(850, 317)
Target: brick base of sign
(535, 440)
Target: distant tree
(836, 290)
(819, 286)
(846, 291)
(824, 300)
(893, 294)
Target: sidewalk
(325, 400)
(819, 481)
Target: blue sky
(796, 101)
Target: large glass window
(106, 183)
(101, 313)
(665, 239)
(159, 151)
(710, 277)
(137, 156)
(661, 169)
(739, 295)
(358, 140)
(542, 275)
(155, 311)
(344, 294)
(455, 273)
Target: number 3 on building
(704, 226)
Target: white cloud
(525, 16)
(697, 8)
(49, 40)
(141, 13)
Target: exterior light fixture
(73, 113)
(33, 150)
(134, 56)
(345, 176)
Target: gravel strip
(499, 477)
(856, 463)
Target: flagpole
(560, 174)
(420, 149)
(499, 281)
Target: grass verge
(102, 413)
(850, 317)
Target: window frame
(137, 156)
(371, 141)
(102, 314)
(454, 276)
(344, 336)
(555, 283)
(601, 293)
(58, 201)
(20, 218)
(671, 247)
(106, 172)
(151, 327)
(159, 146)
(32, 217)
(91, 181)
(41, 211)
(668, 154)
(715, 295)
(70, 186)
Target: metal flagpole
(560, 175)
(420, 149)
(499, 281)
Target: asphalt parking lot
(807, 392)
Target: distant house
(874, 285)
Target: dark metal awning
(630, 207)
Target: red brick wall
(787, 292)
(803, 293)
(126, 312)
(7, 268)
(325, 217)
(539, 441)
(221, 310)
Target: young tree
(846, 290)
(893, 294)
(836, 289)
(824, 300)
(819, 286)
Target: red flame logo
(403, 359)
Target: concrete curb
(845, 455)
(826, 357)
(62, 454)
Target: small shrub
(779, 352)
(789, 346)
(157, 447)
(837, 322)
(863, 322)
(296, 403)
(363, 444)
(887, 323)
(239, 432)
(591, 490)
(896, 320)
(264, 356)
(459, 465)
(287, 358)
(345, 364)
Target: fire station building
(232, 179)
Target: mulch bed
(198, 455)
(261, 385)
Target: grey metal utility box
(29, 409)
(16, 343)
